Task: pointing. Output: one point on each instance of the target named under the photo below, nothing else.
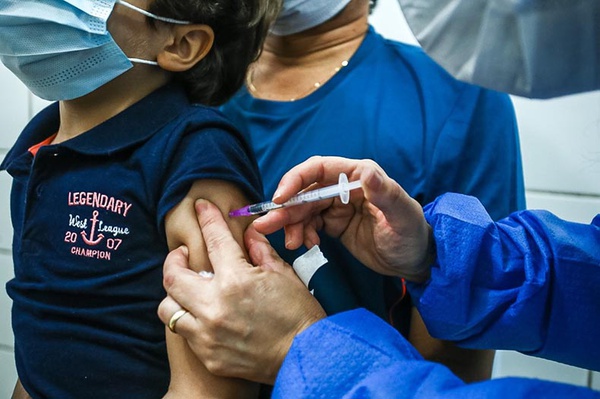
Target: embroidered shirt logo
(93, 238)
(91, 241)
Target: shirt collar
(134, 125)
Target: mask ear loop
(141, 61)
(149, 14)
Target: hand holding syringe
(342, 189)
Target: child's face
(100, 41)
(132, 33)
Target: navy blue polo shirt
(89, 241)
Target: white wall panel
(514, 364)
(389, 21)
(6, 273)
(560, 140)
(5, 224)
(8, 374)
(573, 208)
(37, 104)
(14, 108)
(596, 380)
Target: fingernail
(185, 250)
(200, 203)
(276, 195)
(374, 181)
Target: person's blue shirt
(89, 241)
(528, 282)
(392, 104)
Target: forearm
(470, 365)
(189, 376)
(512, 284)
(20, 392)
(356, 354)
(191, 379)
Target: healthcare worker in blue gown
(529, 282)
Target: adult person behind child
(326, 83)
(507, 284)
(105, 181)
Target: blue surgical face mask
(61, 49)
(300, 15)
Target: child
(105, 182)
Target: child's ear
(190, 44)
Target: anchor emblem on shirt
(91, 240)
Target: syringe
(342, 189)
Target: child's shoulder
(185, 123)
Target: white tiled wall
(14, 113)
(596, 380)
(5, 226)
(8, 374)
(509, 363)
(561, 153)
(561, 143)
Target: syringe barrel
(309, 196)
(262, 207)
(314, 195)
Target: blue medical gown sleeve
(357, 355)
(530, 282)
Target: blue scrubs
(89, 241)
(430, 132)
(528, 282)
(531, 274)
(357, 355)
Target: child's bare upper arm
(189, 378)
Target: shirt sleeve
(528, 282)
(478, 153)
(357, 355)
(215, 154)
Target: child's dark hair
(240, 28)
(372, 5)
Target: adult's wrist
(422, 271)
